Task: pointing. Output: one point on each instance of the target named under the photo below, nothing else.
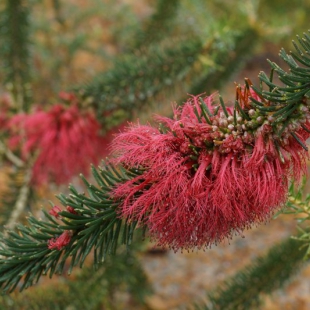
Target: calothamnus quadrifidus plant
(211, 171)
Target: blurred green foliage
(15, 51)
(74, 40)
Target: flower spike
(213, 178)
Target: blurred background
(116, 61)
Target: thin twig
(11, 156)
(21, 201)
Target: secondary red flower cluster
(63, 141)
(209, 172)
(64, 239)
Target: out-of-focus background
(121, 60)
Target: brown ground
(180, 279)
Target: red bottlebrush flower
(55, 211)
(205, 178)
(65, 141)
(60, 242)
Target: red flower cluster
(205, 179)
(65, 238)
(55, 211)
(63, 139)
(60, 242)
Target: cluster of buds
(229, 130)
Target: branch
(11, 156)
(224, 62)
(296, 90)
(21, 201)
(121, 273)
(139, 77)
(158, 26)
(88, 223)
(14, 29)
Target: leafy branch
(285, 102)
(15, 160)
(119, 274)
(14, 30)
(226, 60)
(88, 223)
(159, 24)
(22, 199)
(137, 77)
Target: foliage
(159, 25)
(139, 76)
(300, 207)
(282, 102)
(85, 38)
(15, 54)
(117, 275)
(266, 274)
(88, 223)
(18, 194)
(13, 180)
(224, 59)
(279, 14)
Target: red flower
(65, 141)
(55, 211)
(60, 242)
(205, 179)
